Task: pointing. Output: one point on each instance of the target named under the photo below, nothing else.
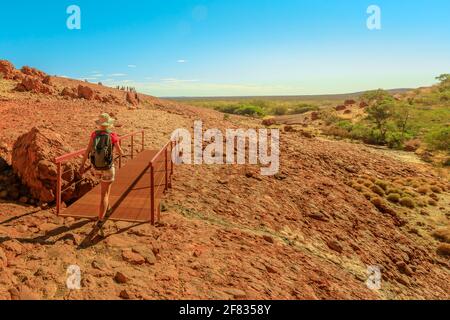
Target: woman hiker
(100, 150)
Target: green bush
(303, 108)
(439, 139)
(278, 111)
(250, 110)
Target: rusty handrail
(75, 154)
(59, 160)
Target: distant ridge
(339, 96)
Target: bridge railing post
(58, 188)
(120, 156)
(152, 194)
(143, 140)
(132, 147)
(166, 169)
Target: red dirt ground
(227, 232)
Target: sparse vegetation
(394, 197)
(407, 202)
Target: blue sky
(232, 47)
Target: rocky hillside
(309, 232)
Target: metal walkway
(135, 194)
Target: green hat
(105, 120)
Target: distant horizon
(289, 95)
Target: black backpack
(102, 151)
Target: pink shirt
(114, 137)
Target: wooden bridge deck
(130, 194)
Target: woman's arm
(119, 149)
(86, 155)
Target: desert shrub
(394, 197)
(382, 184)
(421, 203)
(335, 131)
(393, 190)
(443, 249)
(226, 117)
(442, 234)
(2, 76)
(423, 190)
(436, 189)
(357, 187)
(381, 205)
(439, 139)
(278, 110)
(227, 108)
(245, 110)
(303, 108)
(377, 190)
(367, 184)
(407, 202)
(434, 197)
(250, 110)
(329, 117)
(368, 195)
(432, 202)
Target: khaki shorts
(106, 175)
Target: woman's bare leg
(104, 199)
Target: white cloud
(117, 75)
(174, 80)
(97, 75)
(132, 66)
(181, 61)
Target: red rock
(13, 246)
(69, 92)
(132, 98)
(363, 104)
(315, 116)
(235, 293)
(269, 122)
(38, 149)
(340, 108)
(85, 92)
(47, 80)
(33, 84)
(7, 70)
(334, 245)
(120, 278)
(349, 102)
(132, 257)
(124, 295)
(33, 72)
(3, 259)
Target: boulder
(363, 104)
(269, 122)
(33, 161)
(340, 108)
(33, 72)
(7, 70)
(69, 92)
(315, 116)
(47, 80)
(349, 102)
(132, 98)
(33, 84)
(85, 92)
